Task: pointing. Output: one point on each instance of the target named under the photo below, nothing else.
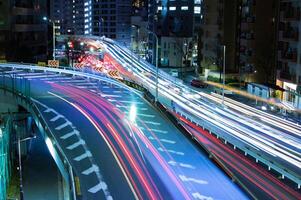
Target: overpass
(269, 139)
(107, 136)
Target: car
(198, 83)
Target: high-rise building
(289, 51)
(177, 24)
(23, 33)
(112, 19)
(72, 16)
(248, 30)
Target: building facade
(289, 52)
(174, 22)
(248, 29)
(113, 20)
(23, 32)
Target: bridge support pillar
(246, 153)
(269, 168)
(299, 186)
(234, 147)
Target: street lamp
(101, 26)
(224, 72)
(53, 34)
(156, 58)
(20, 163)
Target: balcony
(287, 76)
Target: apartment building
(23, 32)
(112, 18)
(289, 51)
(175, 23)
(248, 30)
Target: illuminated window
(172, 8)
(197, 10)
(184, 7)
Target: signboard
(53, 63)
(42, 64)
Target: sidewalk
(41, 178)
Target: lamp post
(224, 73)
(156, 58)
(101, 26)
(157, 71)
(20, 163)
(53, 35)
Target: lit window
(172, 8)
(197, 10)
(184, 7)
(159, 8)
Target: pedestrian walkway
(41, 178)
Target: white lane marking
(144, 109)
(74, 132)
(93, 168)
(187, 179)
(112, 100)
(83, 156)
(13, 71)
(121, 106)
(63, 125)
(168, 141)
(174, 163)
(56, 118)
(153, 123)
(132, 102)
(145, 115)
(163, 140)
(86, 83)
(197, 195)
(48, 110)
(76, 144)
(109, 95)
(171, 151)
(86, 87)
(158, 131)
(100, 186)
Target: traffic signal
(70, 45)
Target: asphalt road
(120, 146)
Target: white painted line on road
(93, 168)
(159, 131)
(174, 163)
(56, 118)
(132, 102)
(152, 123)
(168, 141)
(112, 100)
(86, 83)
(145, 115)
(48, 110)
(144, 109)
(76, 144)
(197, 195)
(74, 132)
(171, 151)
(13, 71)
(83, 156)
(101, 186)
(121, 106)
(187, 179)
(63, 125)
(109, 95)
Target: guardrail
(220, 133)
(20, 89)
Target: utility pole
(224, 74)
